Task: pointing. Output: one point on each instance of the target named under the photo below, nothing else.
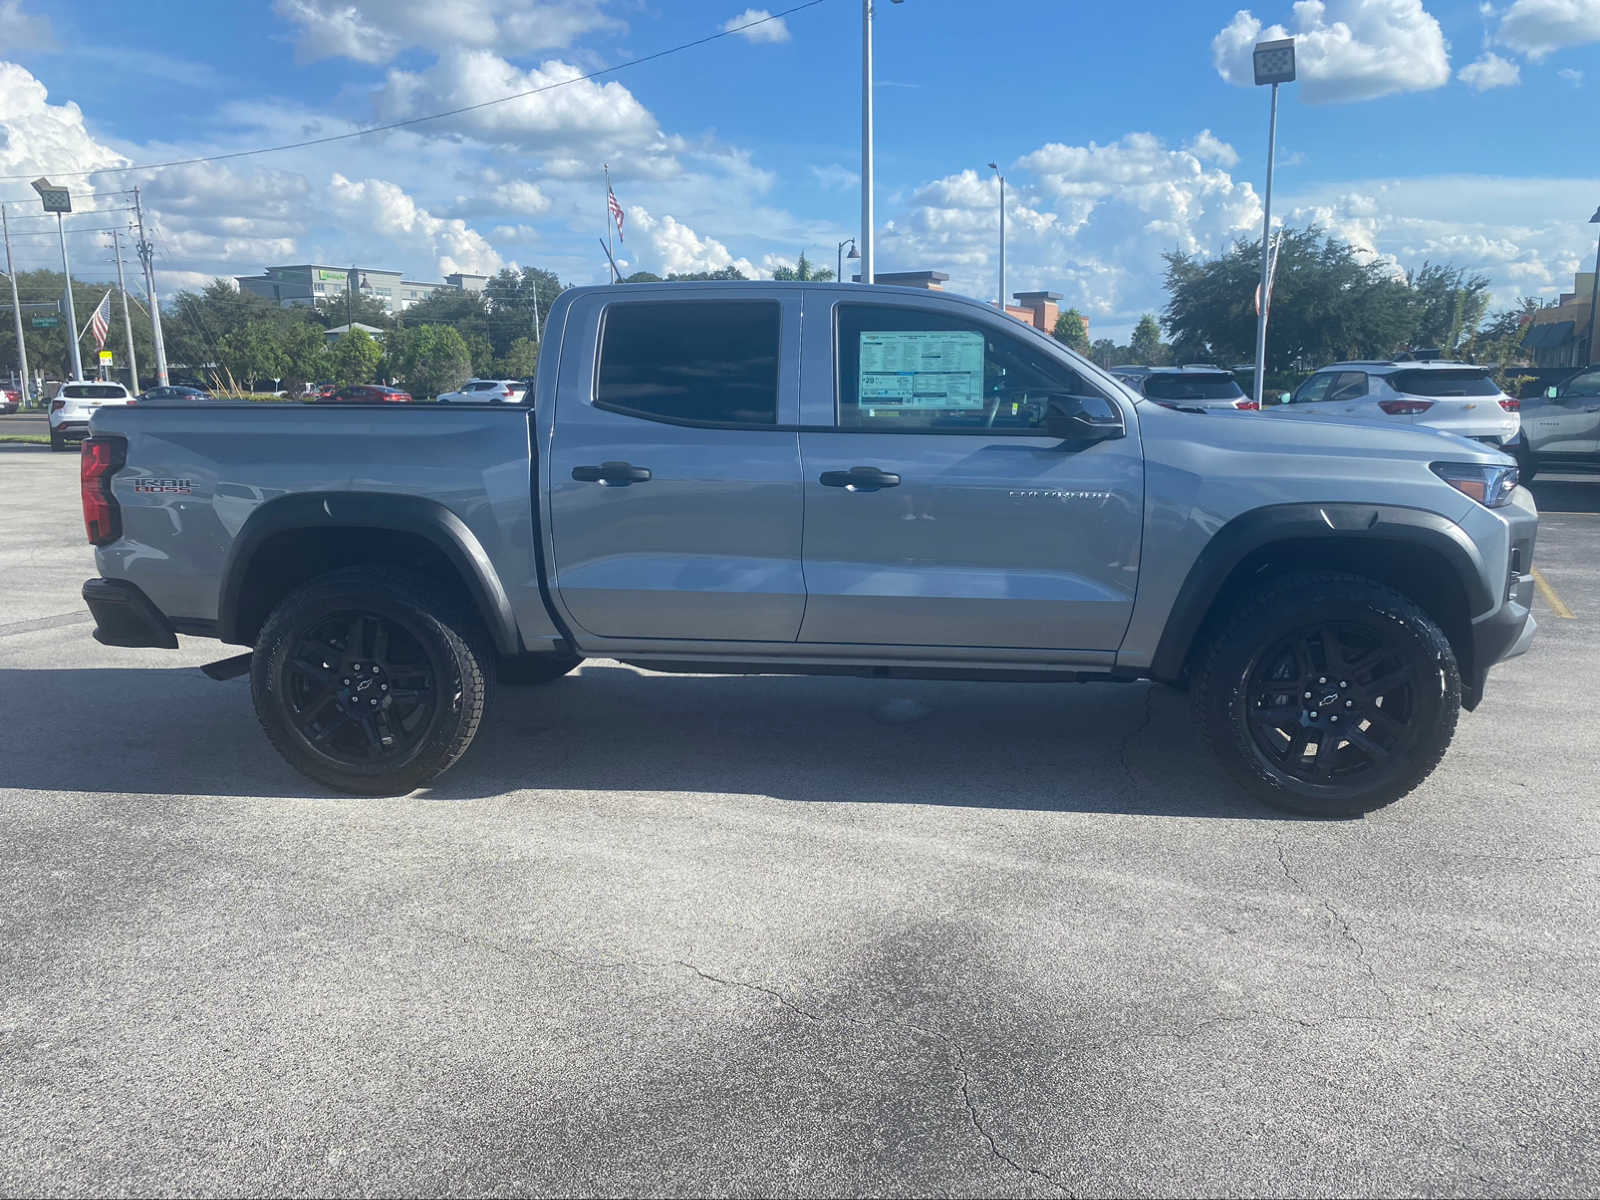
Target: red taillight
(57, 405)
(1510, 405)
(1247, 405)
(102, 458)
(1405, 408)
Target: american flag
(100, 323)
(616, 210)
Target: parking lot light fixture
(854, 255)
(1274, 64)
(58, 200)
(995, 167)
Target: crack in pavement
(1344, 925)
(754, 987)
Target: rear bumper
(124, 615)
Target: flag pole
(609, 258)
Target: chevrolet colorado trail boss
(802, 478)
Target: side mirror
(1550, 393)
(1067, 418)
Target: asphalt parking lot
(767, 936)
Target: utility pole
(127, 321)
(16, 307)
(146, 254)
(72, 313)
(995, 167)
(868, 250)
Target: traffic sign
(39, 321)
(105, 356)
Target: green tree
(521, 360)
(1146, 343)
(1449, 305)
(361, 308)
(1072, 331)
(1104, 352)
(720, 273)
(803, 272)
(305, 350)
(49, 351)
(1498, 341)
(354, 358)
(250, 354)
(428, 359)
(643, 277)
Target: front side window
(1586, 385)
(1313, 389)
(691, 362)
(909, 370)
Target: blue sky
(1442, 129)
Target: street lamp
(58, 200)
(1274, 64)
(852, 256)
(868, 259)
(996, 169)
(1594, 294)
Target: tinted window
(913, 370)
(94, 391)
(713, 362)
(1313, 389)
(1192, 387)
(1348, 385)
(1444, 383)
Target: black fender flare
(1260, 528)
(370, 510)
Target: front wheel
(1329, 695)
(1527, 465)
(370, 680)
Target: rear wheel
(57, 442)
(1329, 695)
(370, 680)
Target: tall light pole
(869, 260)
(996, 169)
(59, 200)
(146, 256)
(1594, 295)
(1274, 64)
(854, 255)
(127, 321)
(16, 309)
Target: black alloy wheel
(1331, 703)
(360, 689)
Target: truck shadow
(1109, 748)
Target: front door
(674, 497)
(1567, 424)
(938, 512)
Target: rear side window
(1444, 383)
(693, 362)
(1348, 385)
(1192, 387)
(94, 391)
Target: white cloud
(36, 135)
(1539, 27)
(835, 178)
(1345, 49)
(1490, 71)
(672, 248)
(376, 31)
(386, 209)
(770, 30)
(1571, 75)
(21, 31)
(1207, 146)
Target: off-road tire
(57, 442)
(1225, 666)
(457, 655)
(533, 670)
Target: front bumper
(1508, 630)
(125, 616)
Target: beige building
(1563, 336)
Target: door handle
(860, 479)
(612, 474)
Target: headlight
(1490, 486)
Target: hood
(1321, 436)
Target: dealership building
(307, 283)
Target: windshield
(1444, 383)
(1192, 387)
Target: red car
(366, 393)
(10, 399)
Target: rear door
(1569, 423)
(938, 512)
(674, 494)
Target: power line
(453, 112)
(80, 196)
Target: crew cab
(813, 478)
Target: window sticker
(922, 370)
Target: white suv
(75, 403)
(486, 391)
(1456, 397)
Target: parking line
(1557, 605)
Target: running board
(230, 668)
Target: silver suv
(1456, 397)
(1561, 427)
(1190, 387)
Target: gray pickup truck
(818, 479)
